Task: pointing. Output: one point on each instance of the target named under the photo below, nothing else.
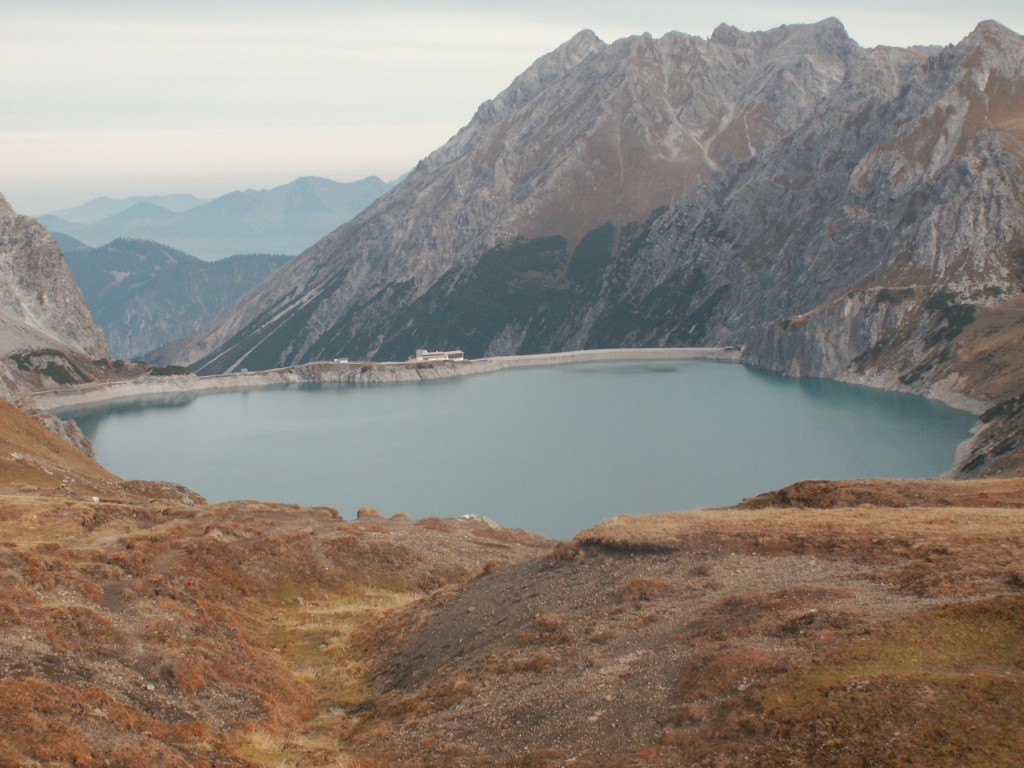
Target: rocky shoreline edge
(369, 373)
(353, 372)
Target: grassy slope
(148, 628)
(835, 624)
(818, 674)
(845, 623)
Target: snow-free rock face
(41, 307)
(591, 133)
(878, 226)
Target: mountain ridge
(101, 207)
(145, 295)
(842, 212)
(284, 219)
(546, 156)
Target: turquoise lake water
(552, 449)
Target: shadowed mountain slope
(145, 295)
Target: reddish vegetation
(833, 624)
(140, 626)
(834, 632)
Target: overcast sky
(207, 96)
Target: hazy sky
(119, 98)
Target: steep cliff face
(591, 133)
(882, 243)
(40, 304)
(919, 222)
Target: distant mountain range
(145, 295)
(102, 207)
(286, 219)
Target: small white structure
(425, 356)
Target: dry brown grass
(437, 524)
(945, 552)
(942, 689)
(549, 629)
(426, 700)
(148, 629)
(158, 631)
(642, 589)
(34, 461)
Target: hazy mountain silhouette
(286, 219)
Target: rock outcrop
(41, 306)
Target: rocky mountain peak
(994, 33)
(539, 75)
(727, 34)
(580, 45)
(824, 34)
(588, 134)
(992, 49)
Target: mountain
(285, 219)
(145, 295)
(69, 244)
(43, 319)
(590, 133)
(102, 207)
(837, 211)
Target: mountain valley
(835, 211)
(841, 206)
(872, 213)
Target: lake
(550, 449)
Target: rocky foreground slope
(140, 626)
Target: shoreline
(373, 373)
(355, 372)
